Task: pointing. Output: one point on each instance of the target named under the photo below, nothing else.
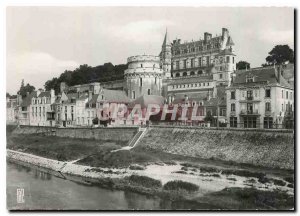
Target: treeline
(87, 74)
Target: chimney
(52, 93)
(224, 32)
(63, 86)
(90, 95)
(19, 99)
(279, 68)
(207, 36)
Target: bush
(180, 185)
(278, 182)
(289, 179)
(144, 181)
(243, 173)
(136, 167)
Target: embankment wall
(106, 134)
(268, 148)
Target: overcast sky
(42, 42)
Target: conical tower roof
(229, 42)
(166, 39)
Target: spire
(166, 39)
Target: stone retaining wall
(106, 134)
(268, 148)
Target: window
(233, 60)
(233, 121)
(220, 76)
(207, 60)
(141, 82)
(232, 95)
(43, 109)
(177, 75)
(133, 94)
(268, 93)
(250, 122)
(141, 65)
(177, 65)
(149, 91)
(249, 95)
(227, 59)
(155, 80)
(200, 72)
(192, 63)
(282, 93)
(65, 108)
(250, 108)
(291, 95)
(268, 106)
(282, 107)
(184, 64)
(192, 73)
(268, 122)
(232, 107)
(287, 95)
(184, 74)
(249, 79)
(199, 62)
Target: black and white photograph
(144, 108)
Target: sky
(43, 42)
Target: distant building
(260, 98)
(41, 108)
(11, 110)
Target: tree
(24, 89)
(242, 65)
(95, 121)
(279, 54)
(7, 95)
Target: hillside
(86, 74)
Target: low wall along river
(268, 148)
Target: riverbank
(209, 181)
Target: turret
(165, 56)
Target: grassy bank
(58, 148)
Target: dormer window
(249, 79)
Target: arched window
(149, 91)
(200, 72)
(177, 75)
(184, 74)
(192, 73)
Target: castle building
(143, 76)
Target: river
(45, 191)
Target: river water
(45, 191)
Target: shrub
(181, 172)
(290, 185)
(289, 179)
(180, 185)
(136, 167)
(232, 179)
(278, 182)
(144, 181)
(244, 173)
(170, 162)
(209, 169)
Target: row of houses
(256, 98)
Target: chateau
(198, 73)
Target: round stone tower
(143, 76)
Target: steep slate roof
(145, 100)
(27, 100)
(265, 74)
(44, 94)
(93, 99)
(229, 42)
(225, 52)
(117, 96)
